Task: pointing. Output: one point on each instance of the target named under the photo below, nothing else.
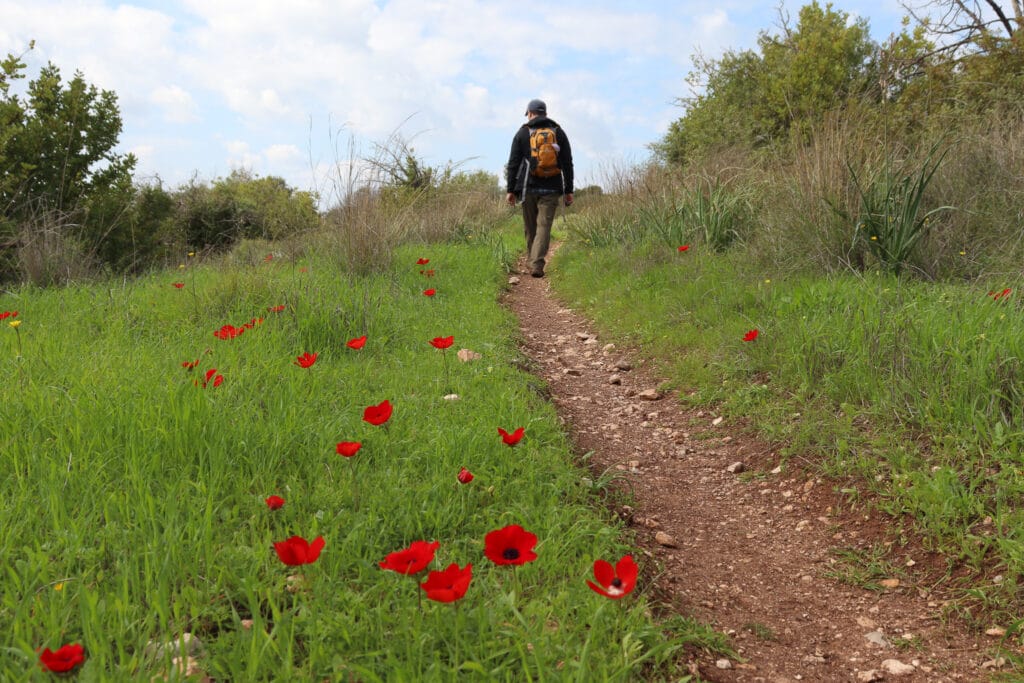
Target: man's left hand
(568, 199)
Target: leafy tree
(753, 98)
(57, 145)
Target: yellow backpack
(543, 153)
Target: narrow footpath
(730, 535)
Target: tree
(57, 146)
(754, 98)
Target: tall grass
(133, 499)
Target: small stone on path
(736, 468)
(870, 676)
(723, 664)
(664, 539)
(897, 668)
(649, 395)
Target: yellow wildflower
(14, 323)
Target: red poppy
(513, 438)
(188, 365)
(996, 296)
(303, 270)
(378, 414)
(211, 374)
(429, 292)
(449, 585)
(8, 314)
(64, 659)
(348, 448)
(357, 343)
(306, 359)
(178, 285)
(751, 335)
(685, 247)
(464, 476)
(256, 321)
(413, 559)
(228, 332)
(268, 258)
(428, 273)
(422, 261)
(297, 550)
(275, 502)
(614, 582)
(442, 342)
(510, 545)
(276, 309)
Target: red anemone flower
(684, 247)
(275, 502)
(513, 438)
(306, 359)
(422, 261)
(464, 476)
(413, 559)
(178, 285)
(189, 364)
(8, 314)
(614, 582)
(378, 414)
(348, 448)
(449, 585)
(64, 659)
(228, 332)
(510, 545)
(429, 292)
(297, 550)
(751, 335)
(357, 343)
(442, 342)
(276, 309)
(428, 273)
(268, 258)
(211, 374)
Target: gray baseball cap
(536, 106)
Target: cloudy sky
(288, 87)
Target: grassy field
(133, 488)
(908, 390)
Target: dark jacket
(517, 170)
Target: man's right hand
(510, 198)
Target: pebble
(649, 395)
(723, 664)
(870, 676)
(665, 540)
(897, 668)
(736, 468)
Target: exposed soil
(754, 553)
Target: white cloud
(177, 104)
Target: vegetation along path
(735, 538)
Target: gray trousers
(538, 216)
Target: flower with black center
(275, 502)
(614, 582)
(510, 545)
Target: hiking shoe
(537, 272)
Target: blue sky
(287, 88)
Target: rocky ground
(738, 539)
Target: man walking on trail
(539, 172)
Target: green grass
(133, 505)
(911, 390)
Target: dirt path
(752, 553)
